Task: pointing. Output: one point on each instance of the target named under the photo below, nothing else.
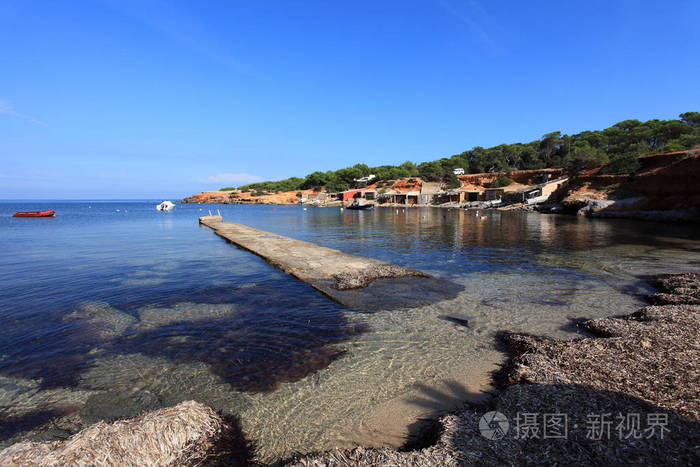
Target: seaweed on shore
(186, 434)
(647, 364)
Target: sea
(113, 308)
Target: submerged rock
(26, 405)
(151, 382)
(23, 395)
(103, 320)
(110, 406)
(106, 322)
(153, 317)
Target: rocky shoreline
(633, 369)
(625, 393)
(628, 208)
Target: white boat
(165, 206)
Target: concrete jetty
(354, 281)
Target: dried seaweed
(646, 362)
(186, 434)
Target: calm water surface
(113, 308)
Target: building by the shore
(527, 187)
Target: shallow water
(113, 308)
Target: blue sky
(161, 99)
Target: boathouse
(429, 192)
(369, 195)
(448, 196)
(349, 195)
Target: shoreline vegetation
(644, 170)
(641, 369)
(663, 188)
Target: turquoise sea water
(112, 308)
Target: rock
(642, 364)
(187, 434)
(460, 318)
(103, 320)
(108, 406)
(19, 396)
(363, 276)
(28, 410)
(153, 317)
(674, 299)
(673, 215)
(671, 283)
(594, 205)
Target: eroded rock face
(216, 196)
(186, 434)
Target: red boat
(35, 214)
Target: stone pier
(355, 281)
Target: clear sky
(161, 99)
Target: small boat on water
(35, 214)
(165, 206)
(359, 206)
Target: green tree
(431, 171)
(451, 181)
(550, 144)
(624, 140)
(409, 168)
(315, 180)
(691, 118)
(501, 181)
(626, 164)
(583, 157)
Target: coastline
(662, 188)
(681, 216)
(643, 363)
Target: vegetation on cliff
(618, 145)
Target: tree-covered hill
(618, 146)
